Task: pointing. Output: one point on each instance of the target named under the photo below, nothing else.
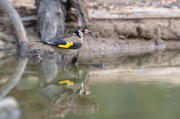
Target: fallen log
(140, 13)
(23, 42)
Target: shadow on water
(130, 86)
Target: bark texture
(81, 10)
(51, 17)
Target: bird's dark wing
(75, 46)
(55, 43)
(63, 44)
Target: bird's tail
(41, 41)
(44, 86)
(45, 42)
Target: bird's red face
(83, 31)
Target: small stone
(1, 42)
(122, 37)
(9, 109)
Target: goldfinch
(68, 46)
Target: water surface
(144, 86)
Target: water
(144, 86)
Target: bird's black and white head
(81, 33)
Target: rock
(9, 109)
(2, 45)
(122, 37)
(1, 42)
(2, 54)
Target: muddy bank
(165, 29)
(113, 36)
(132, 36)
(126, 36)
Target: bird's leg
(68, 68)
(63, 59)
(77, 54)
(67, 58)
(75, 58)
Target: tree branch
(23, 42)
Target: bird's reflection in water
(64, 86)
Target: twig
(93, 34)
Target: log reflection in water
(14, 79)
(64, 92)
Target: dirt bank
(113, 36)
(131, 36)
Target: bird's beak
(87, 31)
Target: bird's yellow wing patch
(66, 81)
(66, 46)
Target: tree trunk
(50, 17)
